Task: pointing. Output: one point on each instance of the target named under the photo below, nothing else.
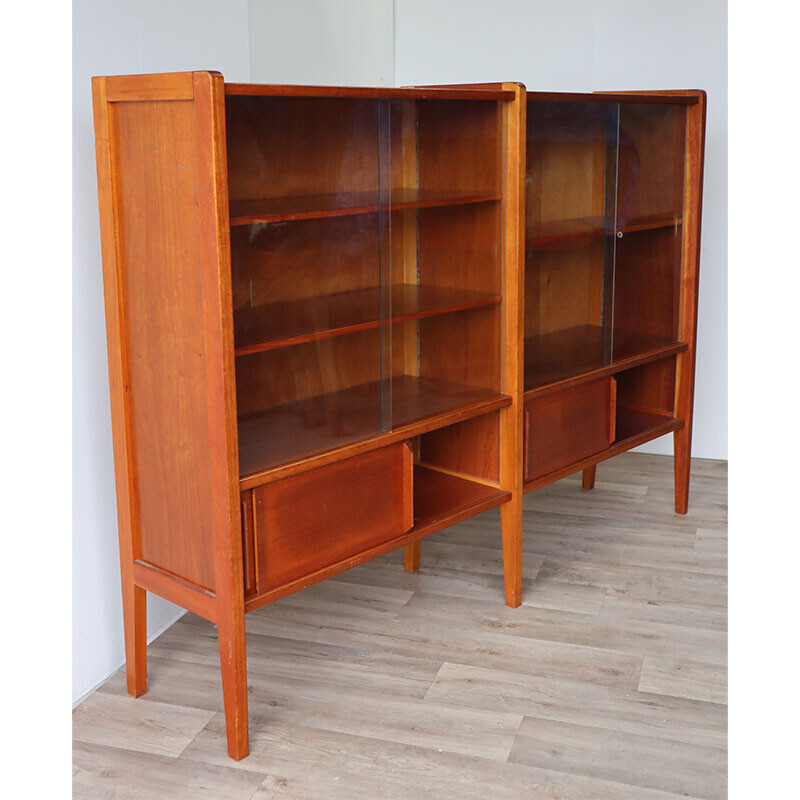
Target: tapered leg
(233, 660)
(683, 459)
(412, 556)
(511, 523)
(134, 611)
(588, 477)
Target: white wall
(577, 45)
(118, 37)
(322, 42)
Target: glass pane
(649, 221)
(569, 248)
(444, 232)
(309, 266)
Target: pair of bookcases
(341, 319)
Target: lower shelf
(585, 352)
(440, 500)
(634, 426)
(635, 423)
(392, 410)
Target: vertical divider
(513, 290)
(689, 287)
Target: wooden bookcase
(342, 319)
(612, 233)
(312, 301)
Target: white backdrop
(562, 45)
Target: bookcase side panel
(171, 296)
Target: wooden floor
(608, 682)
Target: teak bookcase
(341, 319)
(312, 300)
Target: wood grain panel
(649, 386)
(324, 256)
(166, 258)
(471, 447)
(646, 287)
(459, 146)
(314, 520)
(566, 173)
(567, 426)
(294, 146)
(161, 230)
(461, 247)
(651, 161)
(564, 287)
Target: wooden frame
(235, 393)
(204, 497)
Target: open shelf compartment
(439, 500)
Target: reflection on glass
(649, 224)
(309, 267)
(604, 193)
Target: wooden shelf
(563, 231)
(272, 440)
(293, 322)
(571, 356)
(281, 209)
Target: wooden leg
(134, 610)
(412, 556)
(588, 477)
(511, 523)
(683, 459)
(233, 660)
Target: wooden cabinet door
(565, 427)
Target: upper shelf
(553, 232)
(295, 321)
(281, 209)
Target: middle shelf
(394, 409)
(342, 204)
(295, 321)
(548, 233)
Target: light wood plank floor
(608, 682)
